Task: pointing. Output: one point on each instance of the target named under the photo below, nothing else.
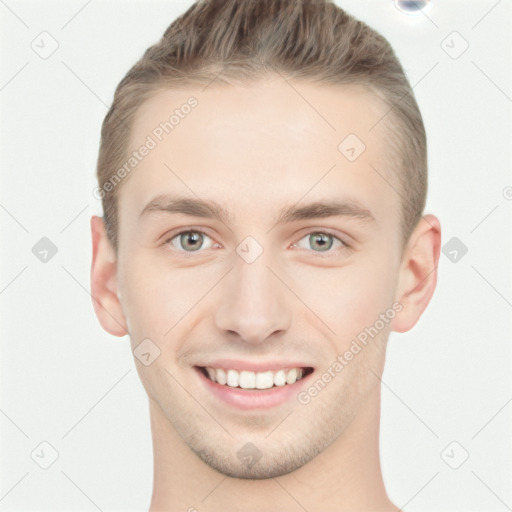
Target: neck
(345, 477)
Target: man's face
(292, 295)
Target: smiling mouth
(255, 380)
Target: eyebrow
(187, 206)
(328, 208)
(212, 210)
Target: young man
(282, 141)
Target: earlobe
(418, 273)
(104, 290)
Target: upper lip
(238, 364)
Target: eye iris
(325, 241)
(191, 236)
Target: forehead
(256, 148)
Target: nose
(253, 304)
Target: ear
(104, 281)
(418, 273)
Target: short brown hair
(243, 40)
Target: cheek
(351, 298)
(146, 295)
(157, 296)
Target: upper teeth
(254, 380)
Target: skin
(256, 149)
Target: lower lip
(253, 398)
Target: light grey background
(66, 382)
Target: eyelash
(327, 254)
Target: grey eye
(319, 241)
(190, 241)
